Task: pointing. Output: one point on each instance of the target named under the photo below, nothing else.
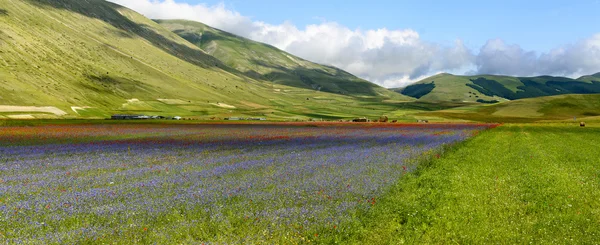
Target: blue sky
(395, 43)
(535, 25)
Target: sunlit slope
(590, 78)
(92, 53)
(266, 62)
(94, 58)
(560, 107)
(493, 89)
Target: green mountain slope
(492, 89)
(559, 107)
(266, 62)
(92, 58)
(68, 53)
(590, 78)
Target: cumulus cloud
(390, 58)
(581, 58)
(497, 57)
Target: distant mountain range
(493, 89)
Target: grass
(551, 108)
(452, 88)
(501, 88)
(266, 62)
(518, 183)
(514, 184)
(100, 55)
(218, 183)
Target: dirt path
(47, 109)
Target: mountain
(265, 62)
(492, 89)
(92, 58)
(584, 107)
(590, 78)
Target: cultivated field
(127, 183)
(516, 184)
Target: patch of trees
(418, 90)
(487, 101)
(531, 89)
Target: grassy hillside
(93, 53)
(71, 58)
(561, 107)
(493, 89)
(590, 78)
(266, 62)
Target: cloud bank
(391, 58)
(580, 58)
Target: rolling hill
(265, 62)
(590, 78)
(555, 108)
(493, 89)
(73, 58)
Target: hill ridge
(266, 62)
(94, 58)
(496, 88)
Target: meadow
(206, 183)
(515, 184)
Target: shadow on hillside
(120, 86)
(197, 30)
(333, 80)
(119, 32)
(108, 12)
(532, 89)
(317, 79)
(3, 12)
(199, 39)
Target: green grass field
(514, 184)
(518, 183)
(581, 107)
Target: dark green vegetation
(535, 87)
(515, 184)
(418, 90)
(581, 107)
(487, 101)
(483, 88)
(94, 58)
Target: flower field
(176, 183)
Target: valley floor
(514, 184)
(185, 183)
(292, 183)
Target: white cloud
(390, 58)
(581, 58)
(573, 60)
(497, 57)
